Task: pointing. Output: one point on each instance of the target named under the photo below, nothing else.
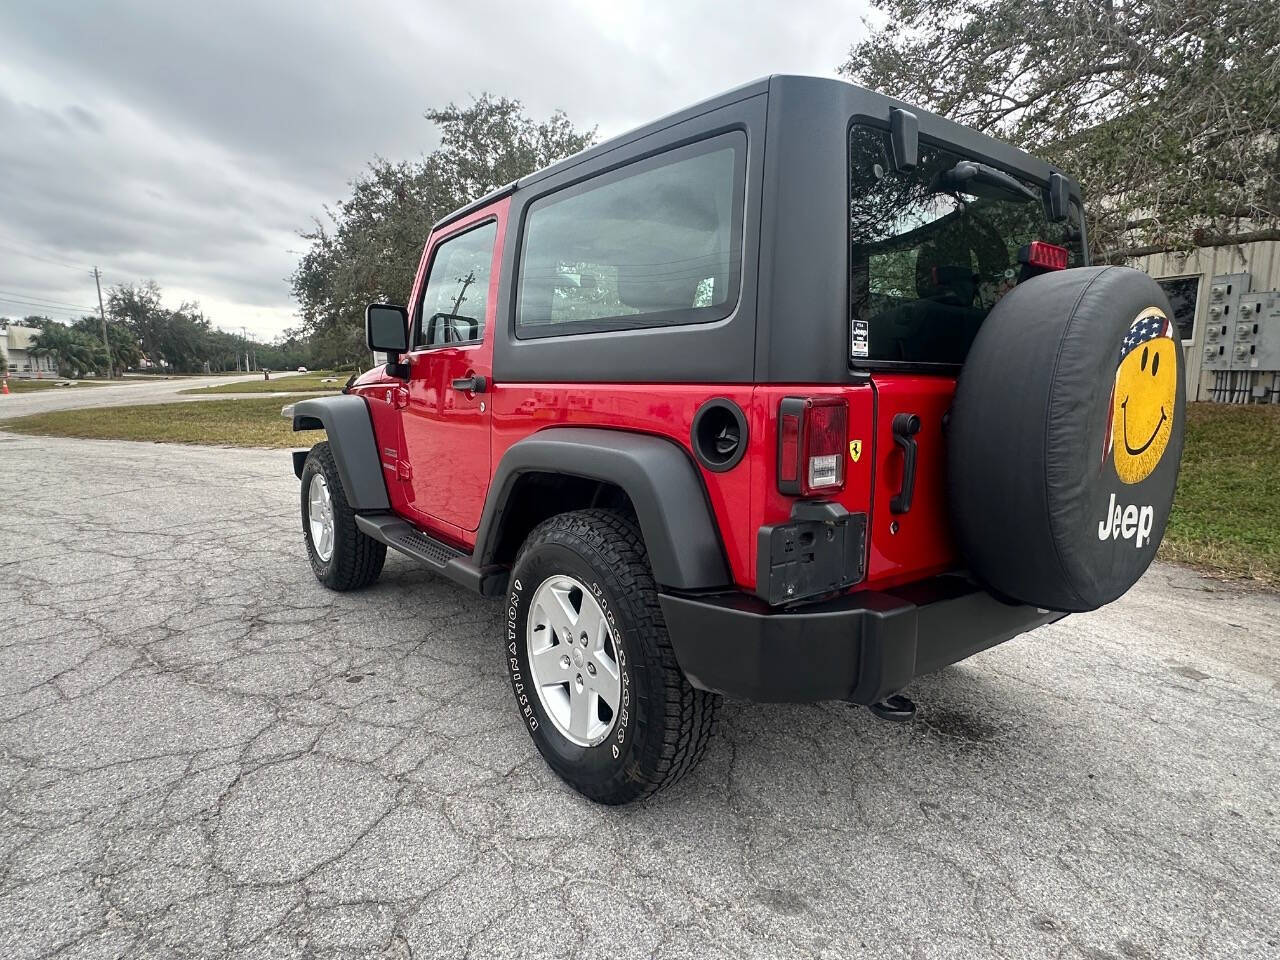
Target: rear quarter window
(656, 242)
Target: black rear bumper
(860, 647)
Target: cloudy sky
(189, 142)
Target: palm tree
(125, 352)
(49, 342)
(73, 352)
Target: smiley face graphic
(1142, 401)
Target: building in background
(16, 359)
(1226, 305)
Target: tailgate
(917, 542)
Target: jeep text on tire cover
(793, 395)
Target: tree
(75, 353)
(368, 249)
(138, 309)
(1167, 110)
(287, 352)
(42, 345)
(125, 352)
(181, 339)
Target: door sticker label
(860, 345)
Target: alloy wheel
(573, 658)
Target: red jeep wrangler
(794, 395)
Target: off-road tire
(357, 558)
(665, 724)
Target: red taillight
(812, 434)
(1046, 256)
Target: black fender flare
(670, 501)
(345, 419)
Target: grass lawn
(29, 386)
(251, 422)
(1226, 516)
(280, 384)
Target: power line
(56, 262)
(22, 318)
(19, 298)
(36, 256)
(35, 308)
(46, 300)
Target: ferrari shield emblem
(855, 450)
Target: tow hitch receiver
(896, 707)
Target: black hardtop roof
(752, 89)
(797, 86)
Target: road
(122, 393)
(205, 754)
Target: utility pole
(102, 314)
(467, 281)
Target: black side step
(443, 559)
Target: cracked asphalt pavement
(205, 754)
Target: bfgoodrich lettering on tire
(1066, 436)
(594, 676)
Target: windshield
(932, 249)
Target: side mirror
(450, 328)
(386, 329)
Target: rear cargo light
(1046, 256)
(811, 442)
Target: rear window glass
(931, 252)
(656, 242)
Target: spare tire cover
(1065, 437)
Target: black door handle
(472, 384)
(905, 428)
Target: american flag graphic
(1148, 326)
(1144, 329)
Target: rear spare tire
(1065, 438)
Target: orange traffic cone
(5, 391)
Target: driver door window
(456, 296)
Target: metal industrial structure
(17, 358)
(1226, 304)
